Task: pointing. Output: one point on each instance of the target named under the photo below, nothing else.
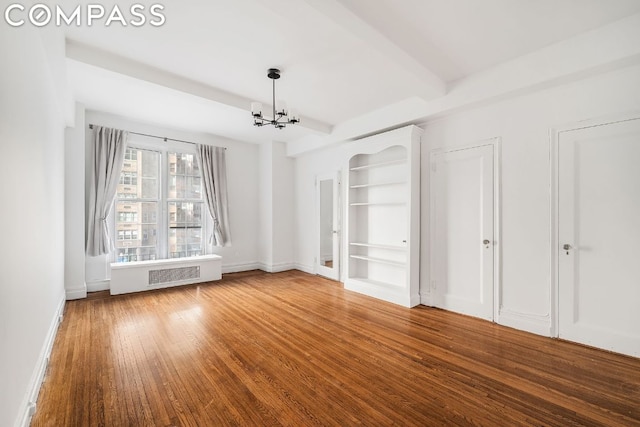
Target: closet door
(599, 236)
(462, 227)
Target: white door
(462, 230)
(327, 208)
(599, 236)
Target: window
(129, 178)
(131, 154)
(159, 207)
(124, 216)
(136, 207)
(185, 206)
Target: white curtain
(108, 157)
(214, 179)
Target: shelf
(379, 204)
(379, 184)
(375, 282)
(379, 165)
(376, 246)
(383, 199)
(379, 260)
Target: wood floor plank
(291, 349)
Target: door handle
(567, 247)
(486, 242)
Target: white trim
(381, 291)
(554, 158)
(239, 267)
(497, 227)
(554, 135)
(28, 406)
(425, 297)
(100, 285)
(277, 268)
(76, 293)
(334, 272)
(304, 268)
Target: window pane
(149, 172)
(136, 230)
(139, 177)
(185, 229)
(136, 208)
(184, 177)
(194, 186)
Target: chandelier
(281, 117)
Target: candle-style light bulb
(256, 109)
(293, 116)
(281, 108)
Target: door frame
(336, 243)
(496, 144)
(554, 238)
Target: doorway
(598, 236)
(462, 230)
(327, 214)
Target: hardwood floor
(297, 350)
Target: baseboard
(383, 293)
(273, 268)
(277, 268)
(304, 268)
(534, 323)
(236, 268)
(425, 299)
(101, 285)
(28, 407)
(77, 293)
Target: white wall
(74, 207)
(32, 214)
(276, 208)
(523, 124)
(282, 207)
(265, 242)
(243, 191)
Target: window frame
(163, 149)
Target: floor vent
(168, 275)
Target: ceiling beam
(112, 62)
(432, 85)
(611, 47)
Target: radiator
(170, 275)
(144, 275)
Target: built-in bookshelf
(383, 216)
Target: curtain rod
(159, 137)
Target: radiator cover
(146, 275)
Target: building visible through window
(184, 206)
(154, 221)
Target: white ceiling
(340, 60)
